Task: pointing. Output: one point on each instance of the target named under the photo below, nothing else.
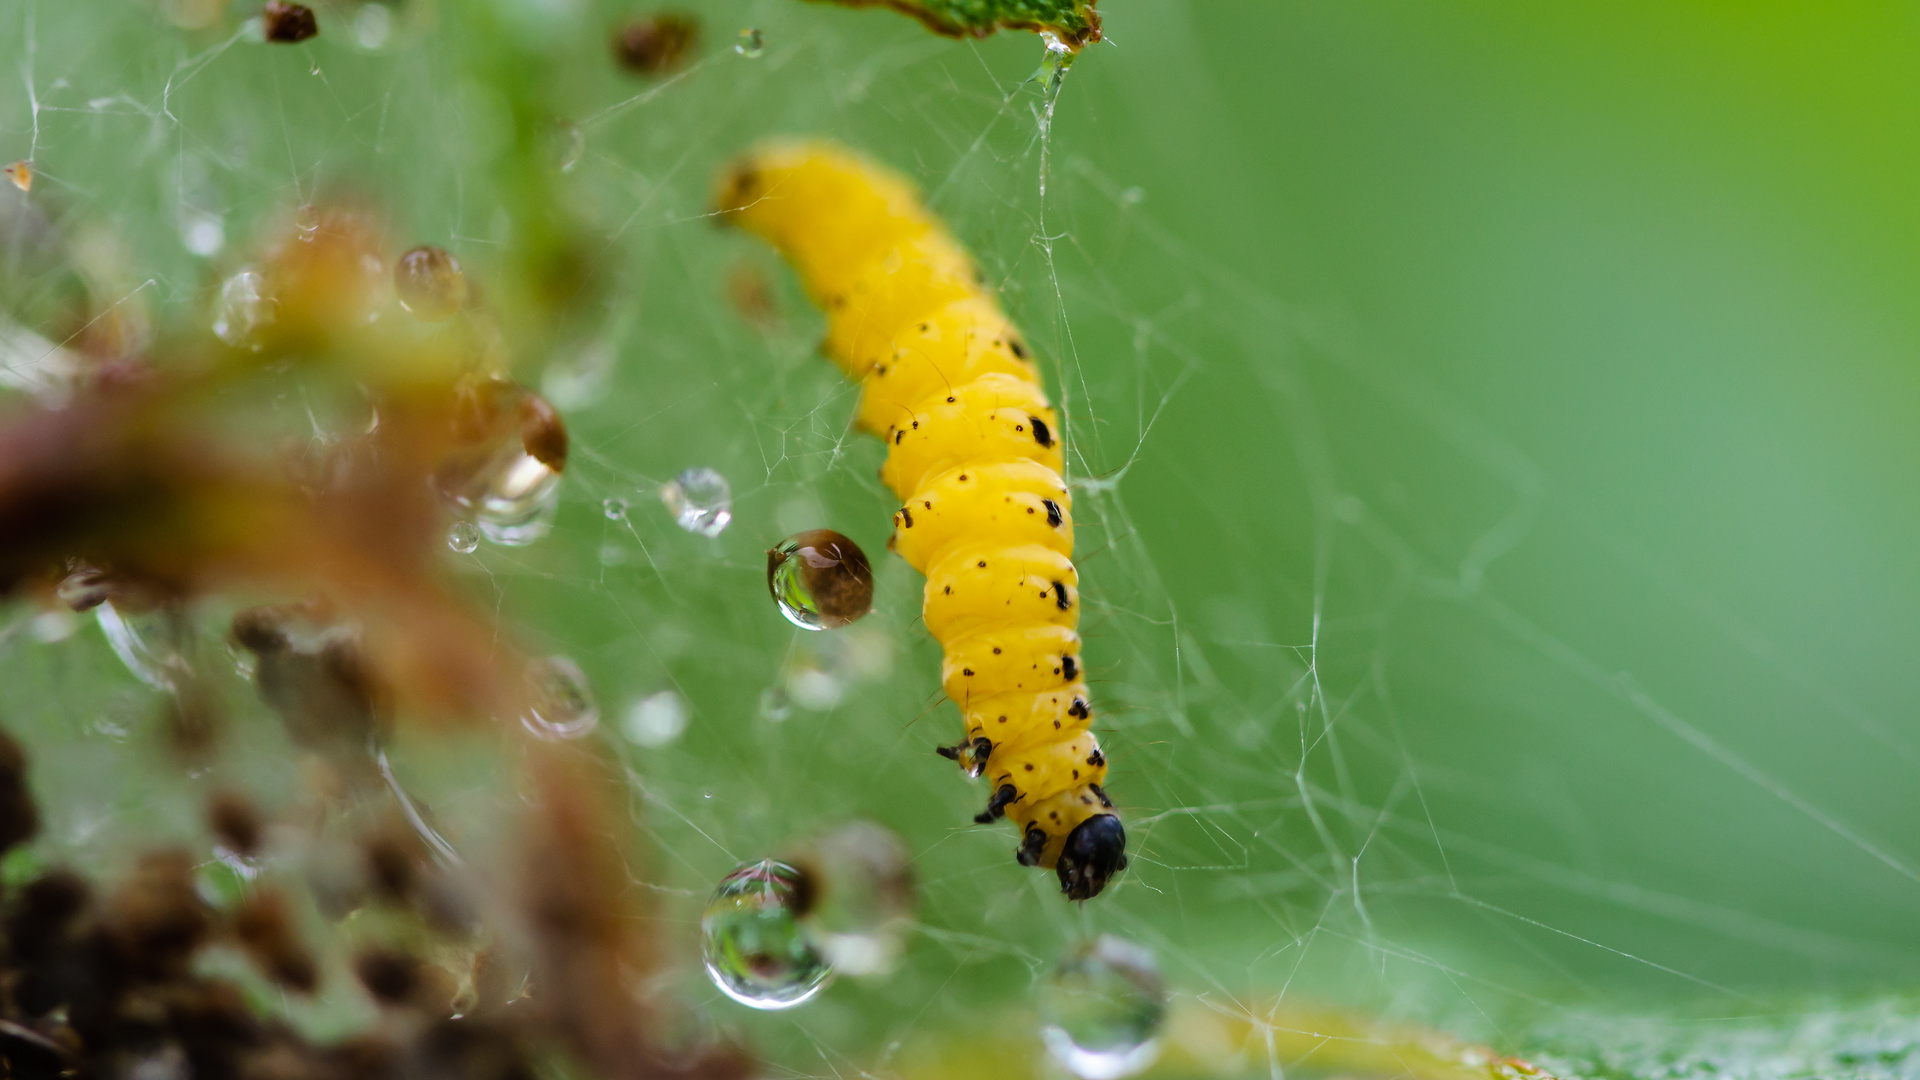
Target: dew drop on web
(700, 501)
(560, 700)
(860, 881)
(614, 507)
(463, 537)
(428, 283)
(242, 309)
(1102, 1009)
(820, 579)
(754, 947)
(752, 43)
(655, 720)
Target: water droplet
(566, 145)
(822, 668)
(428, 283)
(860, 884)
(372, 26)
(1102, 1009)
(463, 537)
(560, 700)
(615, 508)
(751, 44)
(775, 706)
(580, 381)
(755, 949)
(148, 642)
(242, 309)
(812, 687)
(506, 474)
(655, 720)
(700, 501)
(820, 579)
(20, 174)
(520, 508)
(201, 232)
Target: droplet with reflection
(428, 283)
(463, 537)
(242, 308)
(506, 475)
(560, 702)
(700, 501)
(820, 579)
(754, 947)
(752, 44)
(1102, 1009)
(859, 882)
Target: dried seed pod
(19, 819)
(657, 44)
(264, 926)
(235, 822)
(287, 23)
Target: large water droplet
(860, 883)
(614, 507)
(560, 700)
(655, 720)
(242, 309)
(820, 579)
(428, 283)
(519, 509)
(752, 43)
(463, 537)
(1103, 1007)
(700, 501)
(511, 499)
(755, 950)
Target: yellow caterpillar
(974, 456)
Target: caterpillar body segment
(975, 457)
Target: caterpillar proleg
(975, 457)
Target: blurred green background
(1494, 423)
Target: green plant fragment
(1074, 22)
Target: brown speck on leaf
(656, 44)
(287, 23)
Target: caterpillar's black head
(1095, 851)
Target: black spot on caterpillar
(1059, 595)
(1053, 513)
(1040, 433)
